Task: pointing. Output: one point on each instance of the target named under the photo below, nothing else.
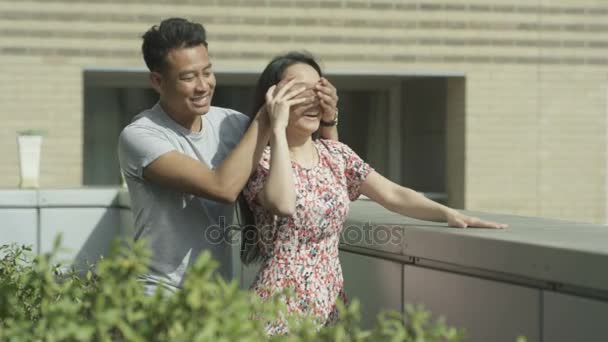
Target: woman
(300, 195)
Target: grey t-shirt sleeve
(241, 120)
(138, 146)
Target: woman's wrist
(446, 212)
(278, 130)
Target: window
(396, 123)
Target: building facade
(497, 106)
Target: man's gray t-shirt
(178, 226)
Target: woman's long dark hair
(272, 74)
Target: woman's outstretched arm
(408, 202)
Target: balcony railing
(544, 279)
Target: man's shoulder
(228, 120)
(222, 112)
(149, 120)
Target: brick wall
(536, 78)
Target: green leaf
(43, 301)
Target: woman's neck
(302, 150)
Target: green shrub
(41, 301)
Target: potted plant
(29, 143)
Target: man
(185, 161)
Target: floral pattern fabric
(300, 252)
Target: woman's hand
(278, 105)
(459, 220)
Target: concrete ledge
(557, 253)
(18, 198)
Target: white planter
(29, 160)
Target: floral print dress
(300, 252)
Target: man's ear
(156, 80)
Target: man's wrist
(262, 125)
(332, 123)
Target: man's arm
(328, 96)
(185, 174)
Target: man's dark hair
(172, 33)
